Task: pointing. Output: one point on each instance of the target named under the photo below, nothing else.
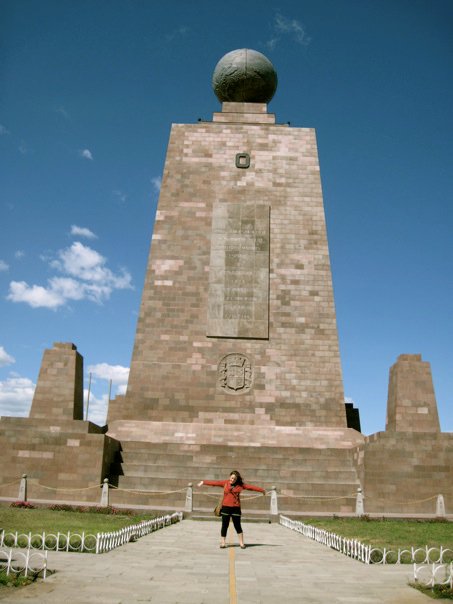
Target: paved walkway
(183, 564)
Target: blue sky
(88, 93)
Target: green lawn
(49, 521)
(389, 533)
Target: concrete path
(183, 564)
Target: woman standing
(231, 503)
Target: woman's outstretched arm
(251, 487)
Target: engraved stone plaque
(235, 373)
(238, 305)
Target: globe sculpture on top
(244, 76)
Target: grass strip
(389, 533)
(40, 520)
(438, 592)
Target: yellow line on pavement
(233, 596)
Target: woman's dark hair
(239, 480)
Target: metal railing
(367, 553)
(350, 547)
(58, 542)
(23, 563)
(108, 541)
(434, 574)
(86, 543)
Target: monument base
(312, 468)
(406, 471)
(63, 460)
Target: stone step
(311, 487)
(220, 467)
(176, 501)
(208, 455)
(152, 451)
(164, 470)
(199, 434)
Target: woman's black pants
(235, 514)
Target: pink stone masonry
(59, 391)
(411, 405)
(294, 373)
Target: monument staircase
(309, 476)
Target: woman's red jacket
(231, 494)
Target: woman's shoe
(242, 546)
(222, 546)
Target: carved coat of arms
(235, 373)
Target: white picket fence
(108, 541)
(366, 553)
(25, 563)
(84, 542)
(58, 542)
(414, 555)
(434, 574)
(350, 547)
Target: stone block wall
(65, 460)
(288, 370)
(59, 390)
(411, 405)
(403, 472)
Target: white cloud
(117, 373)
(23, 148)
(120, 195)
(67, 288)
(85, 276)
(3, 131)
(97, 408)
(82, 262)
(86, 153)
(62, 111)
(157, 183)
(121, 389)
(35, 296)
(287, 27)
(5, 358)
(3, 266)
(98, 405)
(178, 32)
(19, 254)
(272, 43)
(16, 395)
(82, 232)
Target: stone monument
(237, 321)
(236, 361)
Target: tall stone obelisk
(237, 320)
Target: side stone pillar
(411, 404)
(59, 391)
